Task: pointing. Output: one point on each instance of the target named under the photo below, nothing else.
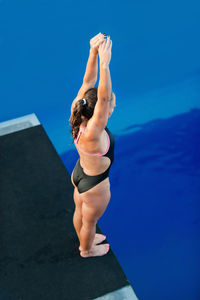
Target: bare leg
(92, 207)
(97, 239)
(87, 235)
(88, 248)
(77, 221)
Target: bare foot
(96, 250)
(97, 240)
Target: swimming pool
(152, 220)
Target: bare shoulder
(93, 132)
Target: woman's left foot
(97, 239)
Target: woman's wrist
(93, 51)
(104, 65)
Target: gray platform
(18, 124)
(124, 293)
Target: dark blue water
(153, 218)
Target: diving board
(39, 256)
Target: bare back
(93, 165)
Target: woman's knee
(88, 225)
(89, 216)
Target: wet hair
(82, 112)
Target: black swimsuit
(85, 182)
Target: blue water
(153, 219)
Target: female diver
(90, 111)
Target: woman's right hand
(105, 52)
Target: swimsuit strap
(79, 134)
(94, 154)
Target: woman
(95, 144)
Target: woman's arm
(91, 68)
(90, 77)
(92, 64)
(102, 107)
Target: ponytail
(83, 110)
(76, 118)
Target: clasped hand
(96, 41)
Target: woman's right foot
(97, 239)
(96, 250)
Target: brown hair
(83, 112)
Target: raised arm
(92, 64)
(90, 76)
(91, 68)
(102, 107)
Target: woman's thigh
(77, 201)
(95, 201)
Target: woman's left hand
(96, 41)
